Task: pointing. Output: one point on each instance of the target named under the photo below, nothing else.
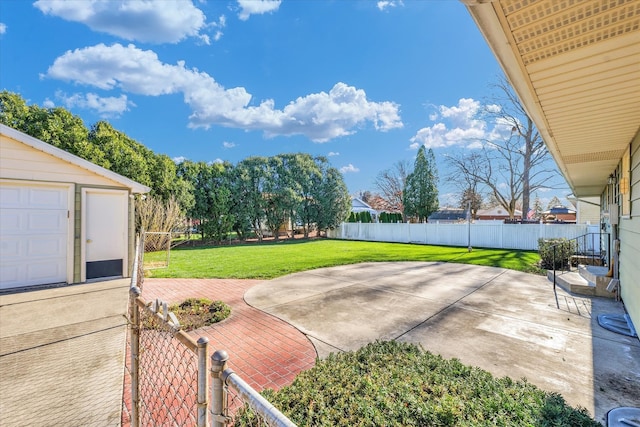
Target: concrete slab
(62, 355)
(506, 322)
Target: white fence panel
(570, 231)
(520, 236)
(483, 234)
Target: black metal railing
(588, 249)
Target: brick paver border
(264, 350)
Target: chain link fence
(167, 373)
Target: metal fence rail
(232, 394)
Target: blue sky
(362, 82)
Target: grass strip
(274, 259)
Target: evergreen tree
(537, 208)
(420, 195)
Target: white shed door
(34, 233)
(105, 230)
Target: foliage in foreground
(194, 313)
(399, 384)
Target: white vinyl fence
(482, 234)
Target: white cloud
(333, 153)
(48, 103)
(257, 7)
(319, 116)
(179, 159)
(219, 25)
(461, 125)
(3, 28)
(218, 160)
(226, 144)
(153, 21)
(109, 106)
(349, 169)
(386, 4)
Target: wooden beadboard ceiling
(576, 66)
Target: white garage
(62, 219)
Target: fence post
(218, 394)
(203, 375)
(134, 293)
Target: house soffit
(575, 65)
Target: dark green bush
(564, 248)
(399, 384)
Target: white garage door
(34, 230)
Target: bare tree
(533, 152)
(390, 183)
(511, 168)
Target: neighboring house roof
(37, 144)
(357, 205)
(497, 211)
(448, 214)
(574, 66)
(559, 210)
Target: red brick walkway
(264, 350)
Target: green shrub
(399, 384)
(194, 313)
(564, 248)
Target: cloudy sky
(364, 83)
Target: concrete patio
(503, 321)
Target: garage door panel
(10, 248)
(47, 199)
(10, 197)
(39, 271)
(34, 238)
(43, 246)
(13, 248)
(49, 222)
(27, 221)
(10, 221)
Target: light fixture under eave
(611, 180)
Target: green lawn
(270, 260)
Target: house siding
(586, 212)
(19, 161)
(629, 229)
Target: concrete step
(574, 282)
(595, 275)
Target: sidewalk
(62, 355)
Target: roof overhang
(37, 144)
(576, 67)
